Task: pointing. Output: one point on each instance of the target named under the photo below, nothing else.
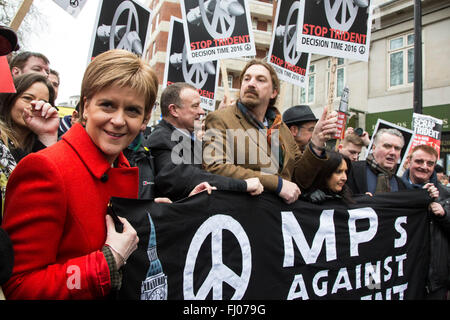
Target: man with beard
(377, 173)
(421, 174)
(250, 140)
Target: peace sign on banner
(120, 25)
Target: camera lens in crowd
(359, 131)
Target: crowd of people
(58, 175)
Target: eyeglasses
(421, 162)
(310, 129)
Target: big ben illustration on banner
(154, 287)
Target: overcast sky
(65, 41)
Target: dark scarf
(274, 121)
(410, 185)
(383, 175)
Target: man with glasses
(421, 174)
(301, 122)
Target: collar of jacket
(173, 128)
(410, 185)
(89, 153)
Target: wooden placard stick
(331, 85)
(226, 88)
(20, 14)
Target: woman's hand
(43, 119)
(254, 186)
(204, 186)
(122, 244)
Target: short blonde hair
(123, 69)
(353, 138)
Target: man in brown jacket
(249, 139)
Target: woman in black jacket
(330, 182)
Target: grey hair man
(377, 173)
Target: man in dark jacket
(377, 173)
(177, 151)
(422, 161)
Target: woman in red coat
(65, 245)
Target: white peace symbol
(220, 18)
(196, 75)
(132, 13)
(341, 23)
(219, 273)
(290, 52)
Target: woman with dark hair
(28, 120)
(330, 182)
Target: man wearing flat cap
(301, 122)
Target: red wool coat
(55, 207)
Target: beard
(251, 101)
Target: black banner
(234, 246)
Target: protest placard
(73, 7)
(427, 130)
(290, 65)
(203, 75)
(339, 28)
(120, 25)
(217, 29)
